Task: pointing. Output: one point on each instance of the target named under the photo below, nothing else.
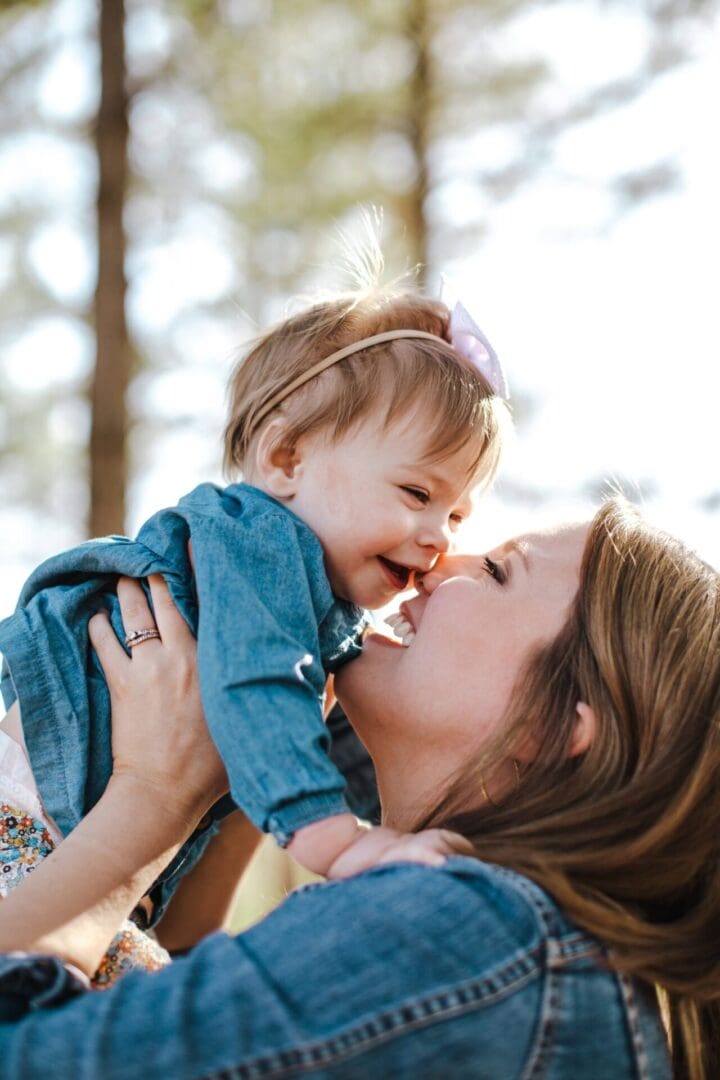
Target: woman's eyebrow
(521, 549)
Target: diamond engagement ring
(136, 637)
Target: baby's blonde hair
(397, 377)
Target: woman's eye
(417, 493)
(494, 570)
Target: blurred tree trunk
(419, 120)
(108, 437)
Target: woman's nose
(446, 567)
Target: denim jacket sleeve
(405, 971)
(29, 983)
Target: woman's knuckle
(99, 631)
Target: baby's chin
(373, 591)
(369, 594)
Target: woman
(559, 707)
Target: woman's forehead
(567, 537)
(551, 554)
(561, 537)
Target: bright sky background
(614, 326)
(610, 325)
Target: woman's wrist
(177, 808)
(74, 903)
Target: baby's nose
(438, 537)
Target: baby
(361, 426)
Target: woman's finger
(172, 626)
(103, 638)
(135, 610)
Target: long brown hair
(626, 836)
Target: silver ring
(136, 637)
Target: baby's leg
(27, 834)
(17, 783)
(24, 841)
(11, 724)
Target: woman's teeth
(401, 628)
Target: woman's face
(425, 709)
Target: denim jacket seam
(568, 950)
(561, 950)
(388, 1024)
(539, 1057)
(632, 1013)
(557, 955)
(574, 943)
(539, 902)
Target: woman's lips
(407, 615)
(375, 637)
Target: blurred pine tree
(258, 127)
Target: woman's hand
(159, 735)
(166, 774)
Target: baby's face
(379, 510)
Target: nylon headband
(377, 339)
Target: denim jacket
(269, 631)
(466, 971)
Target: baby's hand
(382, 845)
(340, 846)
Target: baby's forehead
(460, 463)
(456, 474)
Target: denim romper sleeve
(268, 628)
(264, 604)
(406, 971)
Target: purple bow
(469, 340)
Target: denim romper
(462, 972)
(268, 629)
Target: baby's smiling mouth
(398, 574)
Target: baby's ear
(584, 730)
(277, 462)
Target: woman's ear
(584, 730)
(277, 464)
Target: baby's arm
(262, 678)
(341, 845)
(330, 698)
